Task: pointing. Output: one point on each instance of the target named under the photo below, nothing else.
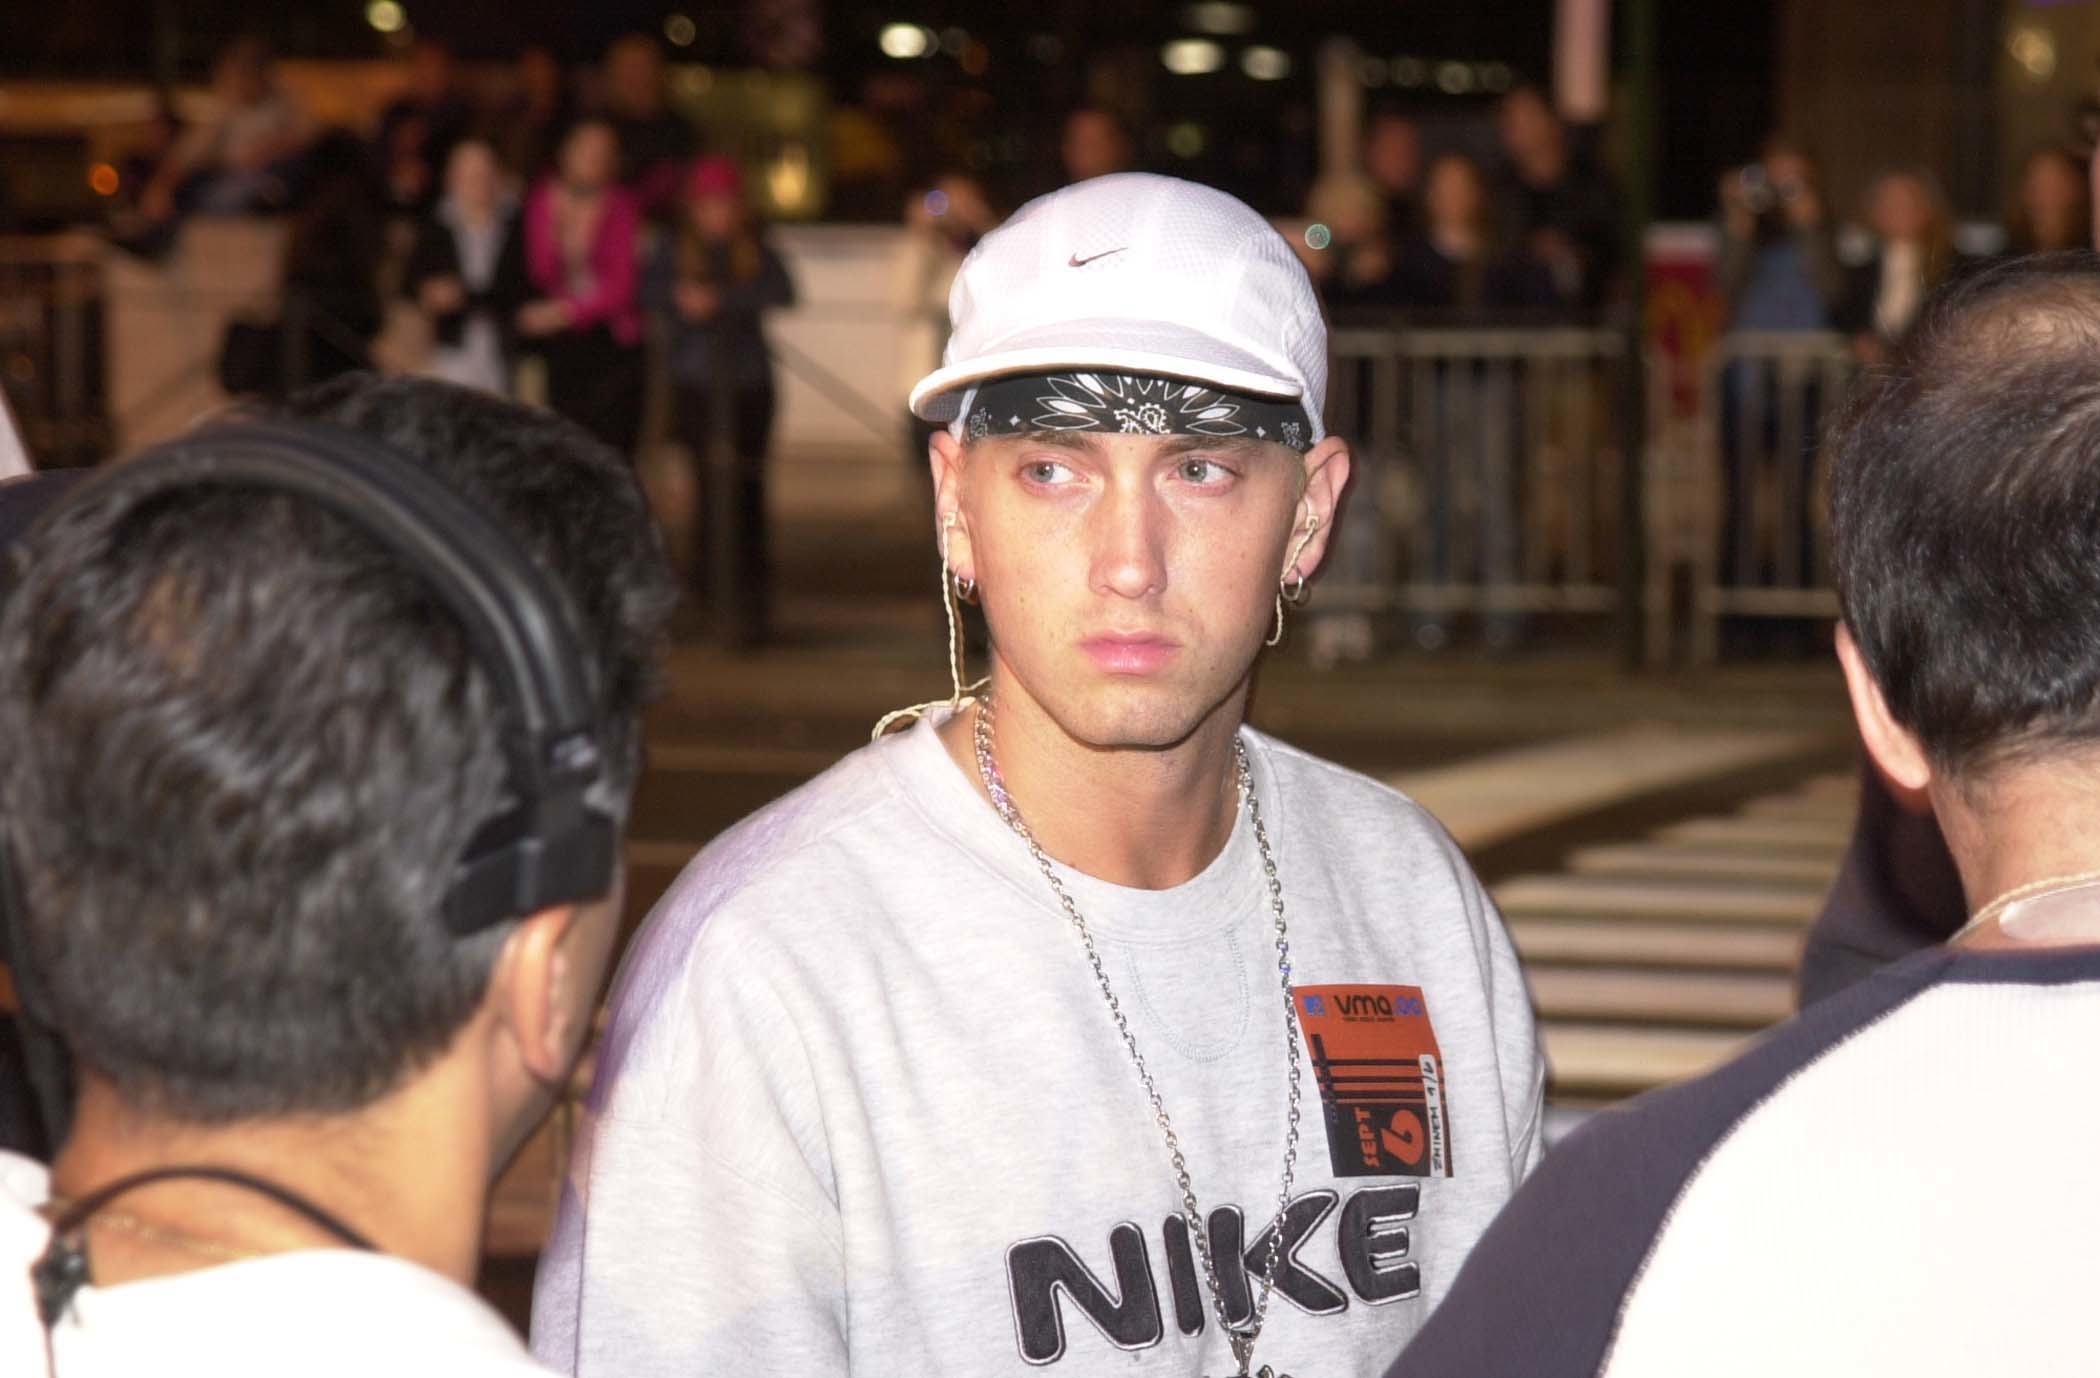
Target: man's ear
(951, 529)
(1326, 474)
(534, 974)
(1898, 754)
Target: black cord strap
(62, 1270)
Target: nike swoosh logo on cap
(1078, 262)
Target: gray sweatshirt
(862, 1108)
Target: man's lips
(1129, 653)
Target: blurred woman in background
(467, 271)
(2052, 209)
(712, 284)
(1456, 263)
(1913, 253)
(584, 320)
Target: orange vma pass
(1381, 1080)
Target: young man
(243, 750)
(901, 1080)
(1900, 1181)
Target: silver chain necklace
(1242, 1338)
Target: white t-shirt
(862, 1107)
(316, 1312)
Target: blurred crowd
(577, 235)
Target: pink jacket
(611, 300)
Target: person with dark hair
(656, 142)
(1393, 161)
(585, 319)
(420, 128)
(1557, 201)
(1095, 143)
(539, 111)
(467, 272)
(1457, 267)
(1779, 266)
(1899, 1180)
(329, 308)
(2052, 209)
(712, 284)
(246, 748)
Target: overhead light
(1264, 63)
(681, 30)
(1186, 140)
(1409, 71)
(2034, 48)
(1496, 77)
(1374, 71)
(386, 16)
(1219, 18)
(1454, 78)
(1192, 57)
(905, 41)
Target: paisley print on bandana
(1132, 404)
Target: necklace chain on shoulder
(1242, 1338)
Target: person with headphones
(317, 735)
(1080, 1025)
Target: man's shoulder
(1571, 1245)
(244, 1318)
(1335, 795)
(771, 873)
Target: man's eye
(1046, 471)
(1203, 471)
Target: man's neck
(2028, 827)
(409, 1173)
(1146, 818)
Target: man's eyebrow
(1085, 441)
(1218, 444)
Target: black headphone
(551, 844)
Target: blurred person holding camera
(309, 887)
(1779, 266)
(467, 271)
(712, 284)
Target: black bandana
(1136, 403)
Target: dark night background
(1715, 82)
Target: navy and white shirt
(1905, 1179)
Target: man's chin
(1136, 715)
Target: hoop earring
(1290, 587)
(953, 592)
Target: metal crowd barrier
(1489, 474)
(1764, 401)
(52, 347)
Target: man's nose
(1129, 535)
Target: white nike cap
(1134, 273)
